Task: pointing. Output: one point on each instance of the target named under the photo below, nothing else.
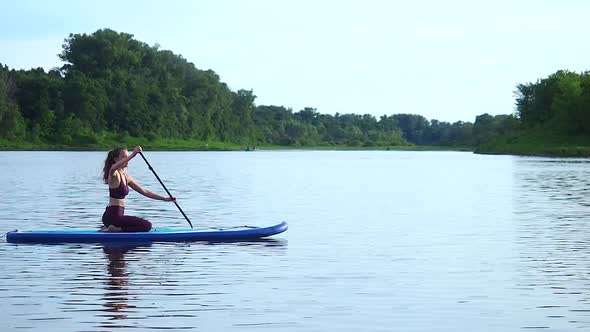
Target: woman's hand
(169, 199)
(137, 150)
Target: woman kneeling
(119, 181)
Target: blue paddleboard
(158, 235)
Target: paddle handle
(168, 192)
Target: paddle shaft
(162, 183)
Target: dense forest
(552, 118)
(114, 89)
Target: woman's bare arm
(123, 161)
(135, 186)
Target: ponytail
(109, 162)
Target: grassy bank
(375, 148)
(158, 144)
(107, 143)
(538, 143)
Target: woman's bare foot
(111, 229)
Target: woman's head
(114, 155)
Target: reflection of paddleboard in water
(159, 235)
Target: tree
(12, 124)
(113, 84)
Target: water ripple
(377, 242)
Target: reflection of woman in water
(116, 297)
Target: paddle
(157, 177)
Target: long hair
(110, 161)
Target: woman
(119, 181)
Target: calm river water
(377, 241)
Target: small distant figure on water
(114, 174)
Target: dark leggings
(115, 215)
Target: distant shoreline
(556, 151)
(540, 150)
(195, 145)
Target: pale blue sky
(448, 60)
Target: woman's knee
(141, 224)
(134, 224)
(147, 226)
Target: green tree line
(113, 85)
(560, 102)
(552, 117)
